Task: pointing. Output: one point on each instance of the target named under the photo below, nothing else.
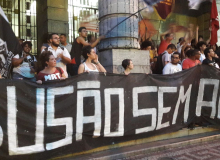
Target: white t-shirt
(179, 47)
(24, 68)
(166, 57)
(202, 57)
(60, 63)
(171, 68)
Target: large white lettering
(51, 121)
(161, 108)
(80, 118)
(1, 136)
(201, 103)
(142, 112)
(12, 124)
(120, 129)
(182, 98)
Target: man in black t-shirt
(76, 50)
(210, 58)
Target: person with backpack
(24, 64)
(163, 59)
(50, 71)
(166, 58)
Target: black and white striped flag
(9, 45)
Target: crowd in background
(60, 59)
(191, 50)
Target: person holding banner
(50, 71)
(91, 63)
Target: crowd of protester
(190, 51)
(60, 59)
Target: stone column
(52, 17)
(122, 42)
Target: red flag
(164, 8)
(214, 23)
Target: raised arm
(82, 41)
(163, 34)
(197, 34)
(98, 65)
(208, 40)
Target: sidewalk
(200, 146)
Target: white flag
(195, 4)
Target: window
(22, 18)
(79, 10)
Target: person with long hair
(91, 63)
(49, 70)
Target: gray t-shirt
(68, 47)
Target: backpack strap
(163, 53)
(58, 68)
(62, 48)
(32, 57)
(46, 49)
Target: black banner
(93, 110)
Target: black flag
(9, 45)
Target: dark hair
(26, 42)
(126, 63)
(189, 53)
(200, 44)
(172, 46)
(44, 57)
(181, 39)
(167, 35)
(200, 36)
(206, 51)
(81, 28)
(86, 50)
(216, 46)
(89, 37)
(145, 44)
(177, 53)
(63, 34)
(187, 47)
(51, 35)
(195, 52)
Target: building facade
(31, 19)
